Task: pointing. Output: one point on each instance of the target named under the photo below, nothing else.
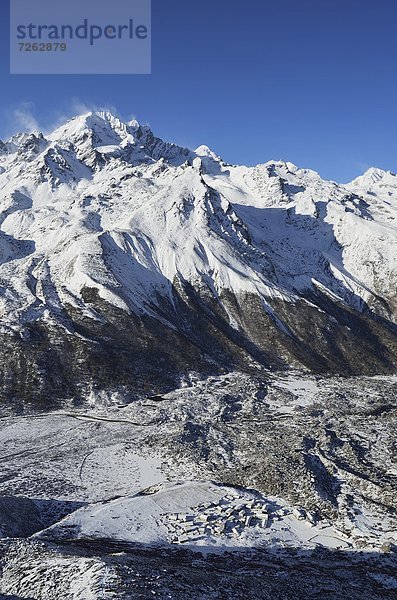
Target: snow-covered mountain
(129, 261)
(131, 269)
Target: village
(229, 517)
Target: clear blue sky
(309, 81)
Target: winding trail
(80, 417)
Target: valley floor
(233, 487)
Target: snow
(201, 515)
(304, 392)
(99, 461)
(136, 476)
(107, 205)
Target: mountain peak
(102, 127)
(374, 177)
(204, 150)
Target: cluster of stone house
(228, 517)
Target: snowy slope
(104, 214)
(101, 187)
(201, 515)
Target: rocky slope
(127, 262)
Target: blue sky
(309, 81)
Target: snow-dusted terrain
(236, 475)
(197, 373)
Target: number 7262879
(42, 47)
